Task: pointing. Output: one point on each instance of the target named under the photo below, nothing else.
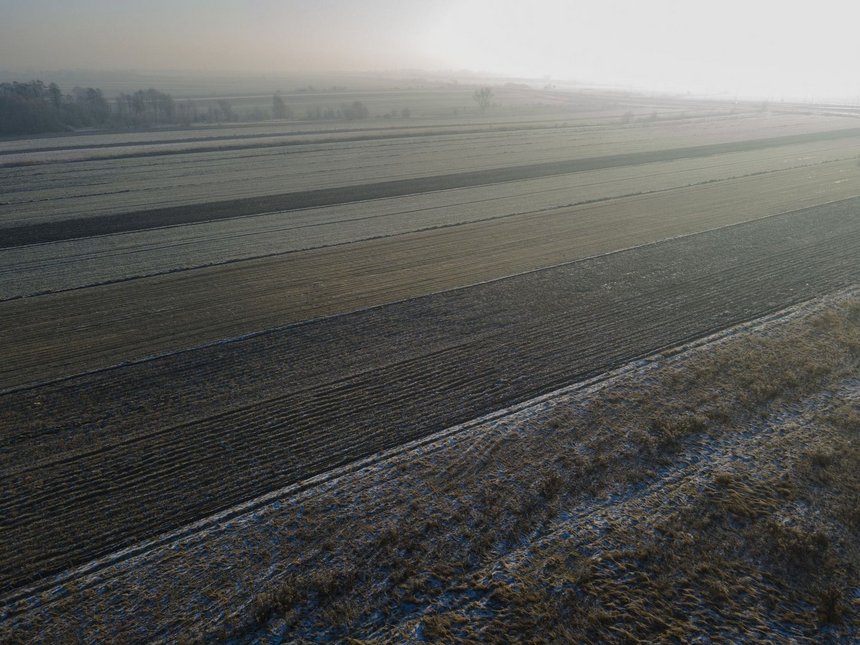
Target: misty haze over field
(763, 49)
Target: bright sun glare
(749, 48)
(746, 47)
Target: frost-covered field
(63, 191)
(792, 179)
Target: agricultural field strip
(56, 335)
(76, 263)
(57, 192)
(79, 147)
(572, 322)
(110, 187)
(232, 131)
(127, 150)
(134, 140)
(310, 167)
(50, 231)
(360, 475)
(187, 147)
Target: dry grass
(763, 543)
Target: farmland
(673, 472)
(191, 320)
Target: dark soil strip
(103, 461)
(175, 215)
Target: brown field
(106, 460)
(141, 402)
(706, 491)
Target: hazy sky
(751, 47)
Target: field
(705, 490)
(194, 320)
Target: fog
(765, 48)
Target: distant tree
(281, 110)
(138, 103)
(405, 113)
(186, 113)
(88, 106)
(165, 109)
(483, 97)
(32, 107)
(55, 95)
(28, 108)
(144, 108)
(355, 111)
(225, 110)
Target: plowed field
(99, 462)
(67, 333)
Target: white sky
(751, 48)
(756, 47)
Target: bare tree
(225, 110)
(55, 95)
(355, 111)
(281, 110)
(483, 97)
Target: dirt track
(103, 461)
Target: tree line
(34, 107)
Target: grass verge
(715, 494)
